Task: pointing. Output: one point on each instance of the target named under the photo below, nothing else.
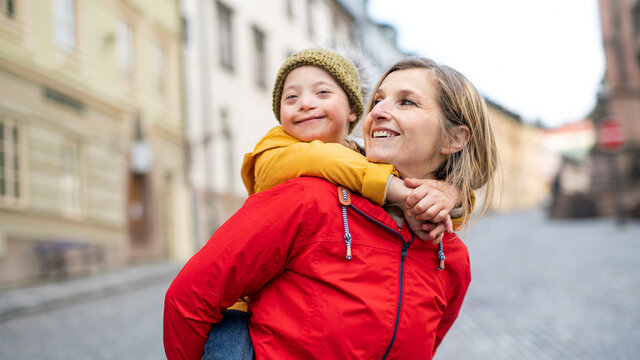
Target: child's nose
(307, 101)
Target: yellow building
(523, 184)
(92, 155)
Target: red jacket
(285, 248)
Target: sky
(541, 59)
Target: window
(12, 26)
(126, 48)
(636, 19)
(290, 14)
(334, 26)
(635, 166)
(184, 27)
(310, 24)
(8, 8)
(11, 172)
(260, 58)
(70, 178)
(65, 24)
(158, 58)
(227, 138)
(225, 32)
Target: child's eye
(289, 97)
(376, 101)
(324, 92)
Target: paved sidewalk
(22, 301)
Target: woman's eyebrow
(379, 90)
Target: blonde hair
(475, 165)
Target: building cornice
(77, 91)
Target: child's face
(314, 106)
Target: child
(318, 100)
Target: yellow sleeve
(279, 157)
(462, 219)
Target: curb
(26, 301)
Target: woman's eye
(407, 102)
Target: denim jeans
(229, 339)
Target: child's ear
(457, 139)
(353, 116)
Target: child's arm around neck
(279, 157)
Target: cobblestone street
(541, 290)
(549, 290)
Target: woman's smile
(383, 133)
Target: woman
(285, 247)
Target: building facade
(613, 186)
(617, 175)
(521, 181)
(90, 101)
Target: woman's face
(403, 127)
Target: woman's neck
(396, 214)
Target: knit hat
(342, 70)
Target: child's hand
(416, 226)
(431, 200)
(426, 230)
(436, 230)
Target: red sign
(610, 135)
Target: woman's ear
(458, 138)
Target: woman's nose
(379, 111)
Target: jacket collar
(379, 214)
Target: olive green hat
(342, 70)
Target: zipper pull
(441, 256)
(405, 249)
(344, 196)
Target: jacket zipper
(403, 257)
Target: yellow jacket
(279, 157)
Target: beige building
(522, 183)
(91, 136)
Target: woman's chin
(377, 157)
